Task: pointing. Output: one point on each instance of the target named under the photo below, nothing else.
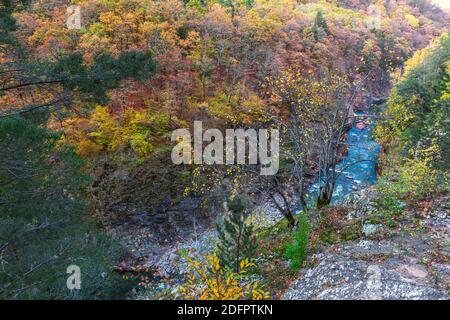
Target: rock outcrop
(412, 264)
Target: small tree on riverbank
(236, 239)
(315, 113)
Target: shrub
(414, 177)
(208, 280)
(297, 250)
(417, 178)
(87, 148)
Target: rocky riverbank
(167, 262)
(409, 261)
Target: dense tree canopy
(86, 116)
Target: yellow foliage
(142, 131)
(235, 110)
(415, 177)
(396, 118)
(107, 127)
(87, 148)
(207, 280)
(412, 21)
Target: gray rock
(340, 278)
(388, 269)
(370, 228)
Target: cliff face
(409, 261)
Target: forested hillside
(87, 115)
(402, 248)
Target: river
(357, 169)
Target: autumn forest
(340, 110)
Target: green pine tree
(236, 239)
(320, 24)
(43, 225)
